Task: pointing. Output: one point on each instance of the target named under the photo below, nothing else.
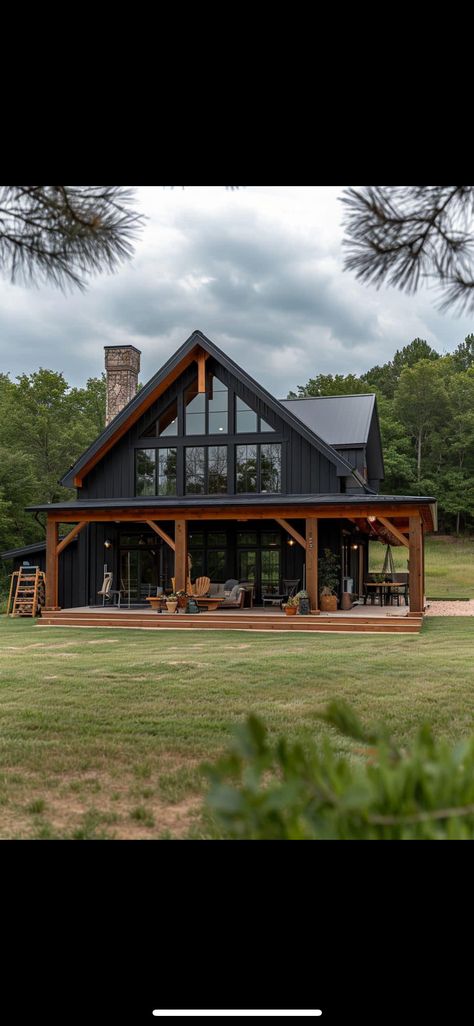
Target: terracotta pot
(328, 603)
(182, 601)
(291, 610)
(172, 606)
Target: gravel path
(450, 608)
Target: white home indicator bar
(237, 1011)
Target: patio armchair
(108, 593)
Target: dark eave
(244, 501)
(197, 339)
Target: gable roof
(339, 419)
(171, 370)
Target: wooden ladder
(28, 593)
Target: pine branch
(403, 236)
(61, 234)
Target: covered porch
(253, 539)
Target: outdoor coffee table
(209, 603)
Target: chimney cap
(125, 347)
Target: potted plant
(291, 606)
(182, 599)
(304, 606)
(328, 572)
(172, 602)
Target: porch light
(354, 546)
(107, 544)
(371, 519)
(290, 541)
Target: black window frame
(155, 449)
(206, 448)
(225, 388)
(258, 490)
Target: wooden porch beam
(294, 534)
(229, 513)
(69, 537)
(169, 541)
(394, 530)
(181, 555)
(416, 587)
(52, 527)
(312, 562)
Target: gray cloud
(259, 272)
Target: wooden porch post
(416, 564)
(52, 558)
(181, 554)
(312, 562)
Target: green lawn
(103, 731)
(449, 565)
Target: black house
(204, 463)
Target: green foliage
(330, 384)
(265, 789)
(425, 404)
(44, 427)
(329, 567)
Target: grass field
(104, 731)
(449, 565)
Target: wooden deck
(358, 620)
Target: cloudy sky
(259, 271)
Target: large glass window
(155, 472)
(270, 468)
(195, 410)
(269, 569)
(145, 472)
(212, 404)
(195, 470)
(206, 469)
(218, 401)
(168, 422)
(216, 564)
(217, 469)
(245, 418)
(258, 468)
(246, 468)
(166, 471)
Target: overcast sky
(259, 271)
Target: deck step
(410, 624)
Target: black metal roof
(339, 419)
(28, 550)
(343, 468)
(196, 501)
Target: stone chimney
(122, 364)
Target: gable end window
(206, 413)
(206, 470)
(155, 472)
(258, 468)
(247, 421)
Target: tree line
(426, 410)
(44, 427)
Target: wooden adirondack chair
(201, 586)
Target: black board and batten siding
(304, 469)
